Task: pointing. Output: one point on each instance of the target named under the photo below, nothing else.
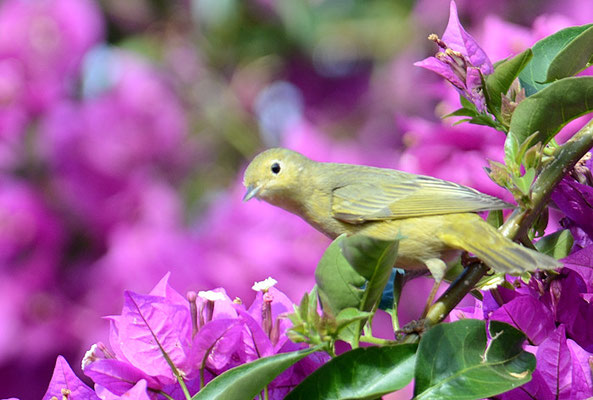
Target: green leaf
(465, 103)
(307, 325)
(495, 218)
(514, 155)
(533, 76)
(462, 112)
(573, 58)
(511, 148)
(453, 361)
(363, 373)
(499, 173)
(485, 120)
(541, 223)
(547, 111)
(347, 328)
(524, 182)
(557, 244)
(499, 82)
(339, 285)
(373, 259)
(247, 380)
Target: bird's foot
(414, 328)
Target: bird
(435, 220)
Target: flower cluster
(574, 197)
(165, 345)
(552, 311)
(461, 61)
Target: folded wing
(380, 195)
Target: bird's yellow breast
(419, 236)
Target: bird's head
(274, 175)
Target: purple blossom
(461, 61)
(581, 262)
(574, 197)
(65, 382)
(104, 152)
(529, 315)
(31, 243)
(30, 234)
(572, 309)
(555, 314)
(163, 336)
(575, 200)
(43, 42)
(137, 392)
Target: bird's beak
(251, 192)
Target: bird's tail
(495, 250)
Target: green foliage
(495, 218)
(547, 111)
(557, 244)
(339, 285)
(454, 361)
(373, 259)
(310, 327)
(518, 184)
(534, 77)
(573, 58)
(468, 109)
(247, 380)
(350, 278)
(363, 373)
(353, 272)
(498, 84)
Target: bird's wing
(399, 195)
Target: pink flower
(461, 61)
(163, 335)
(65, 383)
(104, 152)
(45, 41)
(31, 246)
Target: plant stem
(374, 340)
(164, 395)
(455, 292)
(183, 387)
(518, 224)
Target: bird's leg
(437, 268)
(411, 332)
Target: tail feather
(495, 250)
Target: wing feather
(388, 194)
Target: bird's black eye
(275, 168)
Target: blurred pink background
(125, 128)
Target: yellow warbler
(436, 218)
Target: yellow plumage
(436, 218)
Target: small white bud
(265, 285)
(211, 295)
